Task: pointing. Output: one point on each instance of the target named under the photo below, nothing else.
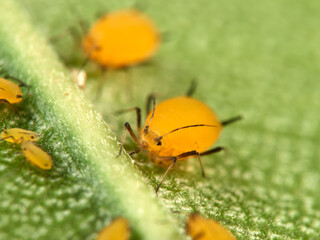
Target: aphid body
(36, 156)
(9, 92)
(200, 228)
(118, 229)
(176, 129)
(18, 135)
(177, 113)
(121, 38)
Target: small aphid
(200, 228)
(18, 135)
(118, 229)
(176, 129)
(10, 93)
(36, 156)
(121, 38)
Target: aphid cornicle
(118, 229)
(176, 129)
(200, 228)
(121, 38)
(36, 156)
(18, 135)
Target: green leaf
(260, 59)
(88, 185)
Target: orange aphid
(200, 228)
(121, 38)
(118, 229)
(9, 92)
(177, 129)
(176, 113)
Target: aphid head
(34, 137)
(149, 140)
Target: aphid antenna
(148, 104)
(10, 105)
(231, 120)
(77, 15)
(158, 139)
(192, 88)
(146, 128)
(21, 84)
(85, 62)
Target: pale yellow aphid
(36, 156)
(118, 229)
(200, 228)
(18, 135)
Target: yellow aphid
(200, 228)
(118, 229)
(121, 38)
(18, 135)
(35, 155)
(10, 93)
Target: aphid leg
(199, 235)
(15, 141)
(10, 105)
(18, 141)
(127, 127)
(174, 160)
(138, 112)
(21, 84)
(150, 98)
(135, 151)
(194, 153)
(212, 151)
(231, 120)
(192, 88)
(7, 138)
(126, 70)
(104, 75)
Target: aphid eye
(32, 137)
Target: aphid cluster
(10, 93)
(27, 139)
(197, 227)
(175, 129)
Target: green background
(259, 59)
